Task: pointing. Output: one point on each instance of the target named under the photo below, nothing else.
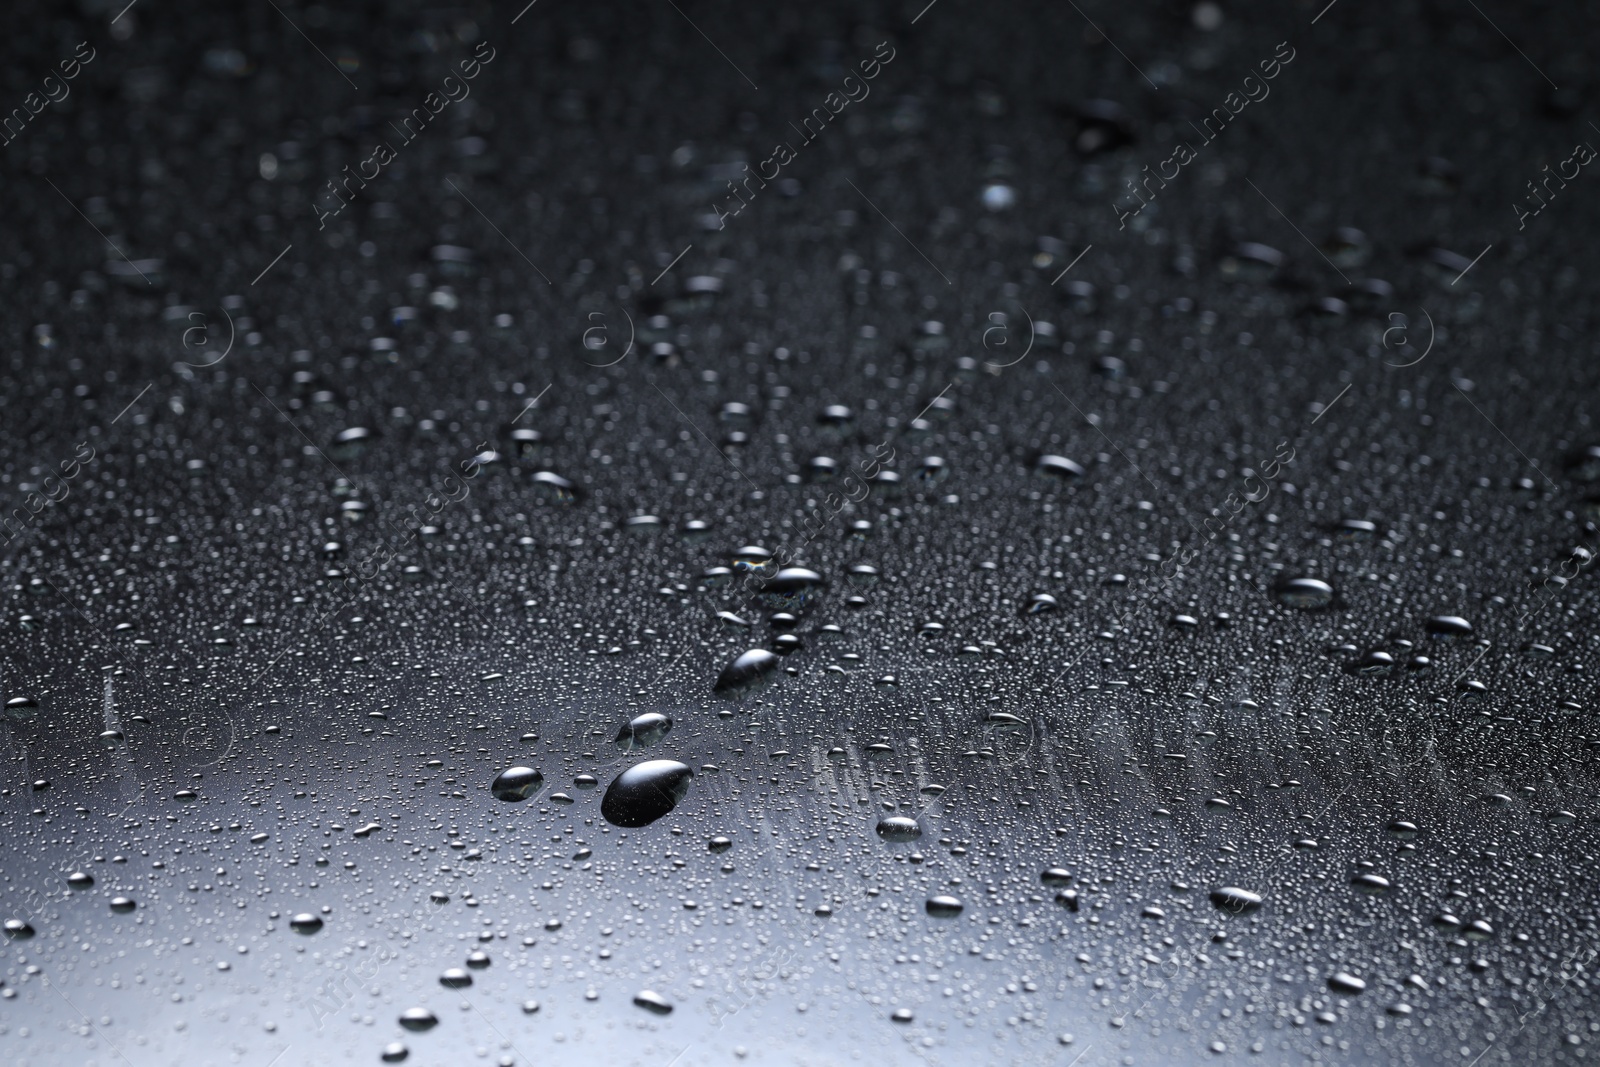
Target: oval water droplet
(1448, 627)
(644, 793)
(515, 784)
(1347, 984)
(642, 731)
(1233, 899)
(750, 671)
(653, 1002)
(1306, 594)
(792, 588)
(418, 1019)
(899, 828)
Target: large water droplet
(643, 731)
(22, 709)
(516, 784)
(418, 1019)
(644, 793)
(750, 671)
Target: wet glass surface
(700, 535)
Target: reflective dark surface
(1008, 536)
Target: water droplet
(18, 930)
(643, 731)
(22, 709)
(516, 784)
(1249, 261)
(719, 844)
(1041, 604)
(644, 793)
(1370, 884)
(651, 1001)
(1232, 898)
(79, 880)
(1374, 663)
(750, 671)
(1306, 594)
(122, 905)
(1355, 530)
(455, 978)
(418, 1019)
(836, 417)
(1448, 627)
(1347, 984)
(998, 197)
(1055, 876)
(943, 906)
(902, 1015)
(350, 443)
(899, 828)
(395, 1052)
(752, 558)
(792, 588)
(305, 923)
(550, 486)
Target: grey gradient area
(1028, 534)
